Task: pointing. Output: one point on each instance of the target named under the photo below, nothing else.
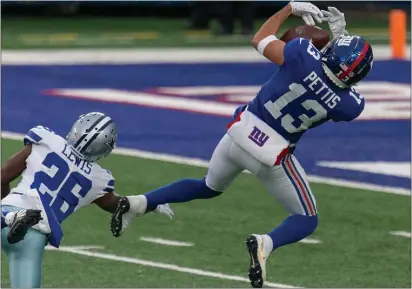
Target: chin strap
(333, 77)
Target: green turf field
(25, 33)
(356, 250)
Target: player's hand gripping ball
(318, 36)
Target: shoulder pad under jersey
(107, 178)
(296, 50)
(37, 134)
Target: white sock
(138, 204)
(9, 218)
(267, 245)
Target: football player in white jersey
(59, 176)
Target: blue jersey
(300, 96)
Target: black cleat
(117, 217)
(256, 272)
(22, 221)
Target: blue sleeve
(36, 135)
(239, 110)
(352, 109)
(355, 111)
(294, 50)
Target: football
(318, 36)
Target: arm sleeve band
(264, 42)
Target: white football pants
(287, 182)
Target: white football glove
(165, 210)
(161, 209)
(336, 21)
(307, 11)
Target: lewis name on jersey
(57, 181)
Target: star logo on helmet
(111, 142)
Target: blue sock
(294, 228)
(180, 192)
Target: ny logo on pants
(258, 137)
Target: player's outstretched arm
(265, 40)
(125, 209)
(13, 168)
(108, 202)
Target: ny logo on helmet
(258, 137)
(345, 40)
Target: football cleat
(257, 266)
(20, 223)
(116, 220)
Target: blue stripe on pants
(25, 258)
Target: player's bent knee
(210, 191)
(310, 223)
(213, 186)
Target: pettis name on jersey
(315, 83)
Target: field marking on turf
(167, 242)
(84, 252)
(359, 185)
(152, 55)
(310, 241)
(401, 234)
(204, 164)
(233, 96)
(397, 169)
(48, 247)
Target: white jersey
(56, 181)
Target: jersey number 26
(60, 188)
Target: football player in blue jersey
(309, 88)
(59, 176)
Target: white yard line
(401, 234)
(86, 247)
(152, 55)
(359, 185)
(167, 242)
(204, 164)
(84, 252)
(394, 169)
(310, 241)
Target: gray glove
(336, 21)
(307, 11)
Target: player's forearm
(110, 208)
(5, 190)
(272, 25)
(6, 179)
(5, 183)
(13, 168)
(109, 204)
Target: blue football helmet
(347, 60)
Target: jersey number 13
(287, 121)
